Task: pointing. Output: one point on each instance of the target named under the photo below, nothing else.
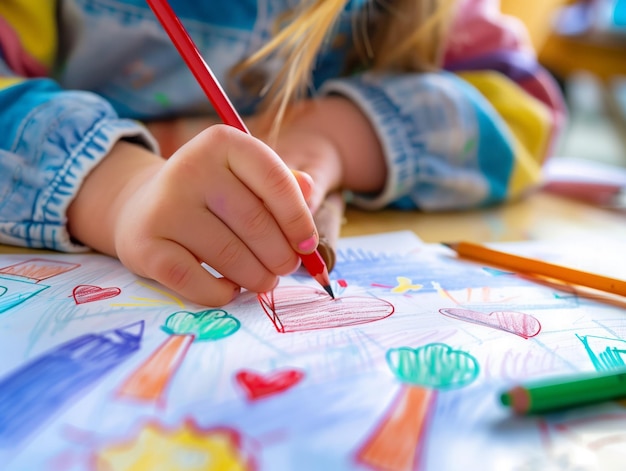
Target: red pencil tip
(329, 290)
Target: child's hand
(224, 198)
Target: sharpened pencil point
(329, 290)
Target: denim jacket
(471, 135)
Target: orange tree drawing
(149, 381)
(396, 443)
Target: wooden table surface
(541, 216)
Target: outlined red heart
(257, 385)
(517, 323)
(301, 308)
(88, 293)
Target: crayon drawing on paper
(103, 370)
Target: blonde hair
(403, 35)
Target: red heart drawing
(517, 323)
(88, 293)
(257, 386)
(300, 308)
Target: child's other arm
(471, 136)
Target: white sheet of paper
(100, 369)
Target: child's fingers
(176, 268)
(241, 221)
(252, 262)
(323, 171)
(274, 184)
(262, 171)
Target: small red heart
(257, 386)
(300, 308)
(88, 293)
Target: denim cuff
(57, 145)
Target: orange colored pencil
(531, 266)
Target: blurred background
(583, 44)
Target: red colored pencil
(314, 263)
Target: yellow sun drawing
(185, 449)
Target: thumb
(305, 182)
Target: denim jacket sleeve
(51, 139)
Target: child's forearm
(93, 214)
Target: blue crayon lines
(421, 268)
(14, 291)
(605, 353)
(39, 389)
(19, 282)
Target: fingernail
(308, 245)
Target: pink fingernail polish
(309, 244)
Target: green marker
(572, 391)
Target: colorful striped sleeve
(28, 39)
(494, 54)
